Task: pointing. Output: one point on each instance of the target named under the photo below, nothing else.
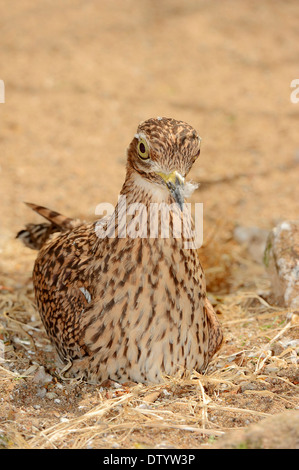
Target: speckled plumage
(128, 308)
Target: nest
(254, 375)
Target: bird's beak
(175, 183)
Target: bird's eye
(143, 150)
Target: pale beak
(175, 183)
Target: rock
(64, 420)
(271, 369)
(41, 393)
(254, 238)
(51, 395)
(280, 431)
(248, 386)
(281, 259)
(276, 349)
(41, 377)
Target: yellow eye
(143, 150)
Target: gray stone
(281, 259)
(254, 238)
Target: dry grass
(253, 376)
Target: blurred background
(80, 75)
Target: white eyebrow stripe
(140, 135)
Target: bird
(128, 308)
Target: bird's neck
(147, 210)
(137, 189)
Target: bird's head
(162, 154)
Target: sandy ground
(79, 77)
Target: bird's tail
(35, 235)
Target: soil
(79, 77)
